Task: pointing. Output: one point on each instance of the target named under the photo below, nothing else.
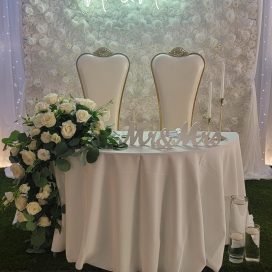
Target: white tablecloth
(147, 210)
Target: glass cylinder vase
(237, 226)
(252, 253)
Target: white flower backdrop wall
(57, 32)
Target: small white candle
(237, 240)
(210, 101)
(222, 91)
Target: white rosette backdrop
(57, 32)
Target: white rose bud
(41, 106)
(42, 202)
(82, 116)
(51, 98)
(68, 129)
(46, 137)
(47, 188)
(99, 126)
(17, 170)
(20, 217)
(90, 104)
(43, 154)
(48, 119)
(67, 107)
(33, 145)
(24, 188)
(6, 203)
(33, 208)
(14, 151)
(28, 157)
(20, 202)
(43, 195)
(9, 196)
(55, 138)
(44, 222)
(34, 132)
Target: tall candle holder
(221, 118)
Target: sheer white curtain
(264, 82)
(12, 79)
(254, 166)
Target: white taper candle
(210, 101)
(222, 91)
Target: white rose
(51, 98)
(20, 202)
(43, 154)
(9, 196)
(67, 107)
(14, 151)
(68, 129)
(41, 106)
(33, 208)
(20, 217)
(28, 157)
(106, 115)
(55, 138)
(90, 104)
(46, 137)
(34, 131)
(24, 188)
(33, 145)
(37, 121)
(48, 119)
(82, 116)
(17, 170)
(44, 221)
(99, 126)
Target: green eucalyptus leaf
(21, 226)
(36, 176)
(61, 148)
(42, 182)
(12, 137)
(30, 226)
(92, 154)
(68, 153)
(63, 165)
(74, 142)
(22, 137)
(39, 180)
(28, 216)
(29, 168)
(45, 172)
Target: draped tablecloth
(150, 210)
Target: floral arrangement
(60, 127)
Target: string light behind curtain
(12, 80)
(264, 82)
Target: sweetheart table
(148, 210)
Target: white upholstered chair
(177, 76)
(103, 76)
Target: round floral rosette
(61, 127)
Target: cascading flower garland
(61, 127)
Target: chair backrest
(103, 77)
(177, 76)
